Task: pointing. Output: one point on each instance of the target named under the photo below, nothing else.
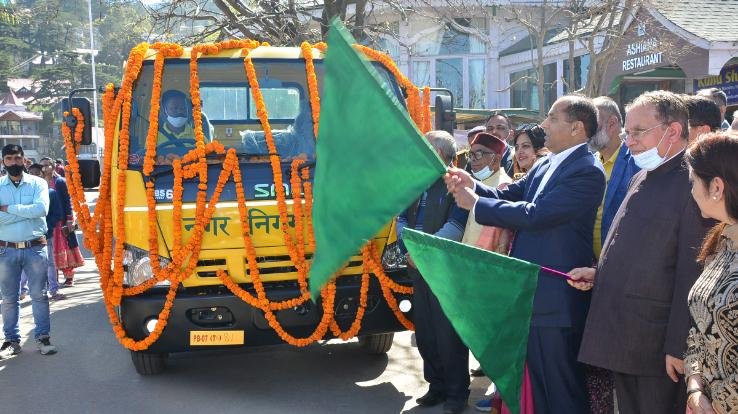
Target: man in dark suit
(639, 320)
(552, 210)
(445, 357)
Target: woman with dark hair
(529, 141)
(711, 361)
(67, 255)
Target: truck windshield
(228, 109)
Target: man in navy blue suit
(552, 210)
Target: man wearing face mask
(485, 156)
(173, 119)
(24, 204)
(638, 320)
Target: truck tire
(148, 363)
(377, 344)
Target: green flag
(372, 161)
(487, 297)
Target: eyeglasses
(479, 154)
(637, 133)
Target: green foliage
(48, 40)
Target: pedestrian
(500, 125)
(638, 319)
(485, 156)
(59, 167)
(445, 357)
(552, 210)
(67, 254)
(704, 116)
(619, 167)
(710, 362)
(721, 100)
(56, 215)
(530, 146)
(617, 161)
(24, 203)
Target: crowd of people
(640, 211)
(37, 241)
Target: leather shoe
(454, 407)
(477, 372)
(431, 398)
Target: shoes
(477, 372)
(22, 296)
(490, 405)
(68, 283)
(454, 407)
(9, 348)
(484, 406)
(431, 398)
(44, 346)
(57, 296)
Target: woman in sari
(67, 255)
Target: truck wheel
(377, 344)
(147, 363)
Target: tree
(278, 22)
(599, 29)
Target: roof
(712, 20)
(527, 43)
(587, 26)
(9, 99)
(19, 116)
(10, 105)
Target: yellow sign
(210, 338)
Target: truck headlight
(137, 266)
(392, 257)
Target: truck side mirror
(89, 171)
(445, 115)
(83, 105)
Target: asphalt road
(92, 373)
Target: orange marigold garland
(312, 81)
(426, 110)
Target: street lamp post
(94, 81)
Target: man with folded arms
(24, 204)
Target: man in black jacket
(638, 319)
(445, 357)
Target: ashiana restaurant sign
(641, 54)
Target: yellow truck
(198, 112)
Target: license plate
(211, 338)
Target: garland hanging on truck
(108, 221)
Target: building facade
(489, 61)
(20, 126)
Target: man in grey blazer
(638, 319)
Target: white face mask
(649, 160)
(482, 174)
(176, 121)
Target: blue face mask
(650, 160)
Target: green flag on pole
(487, 297)
(372, 161)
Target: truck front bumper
(214, 309)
